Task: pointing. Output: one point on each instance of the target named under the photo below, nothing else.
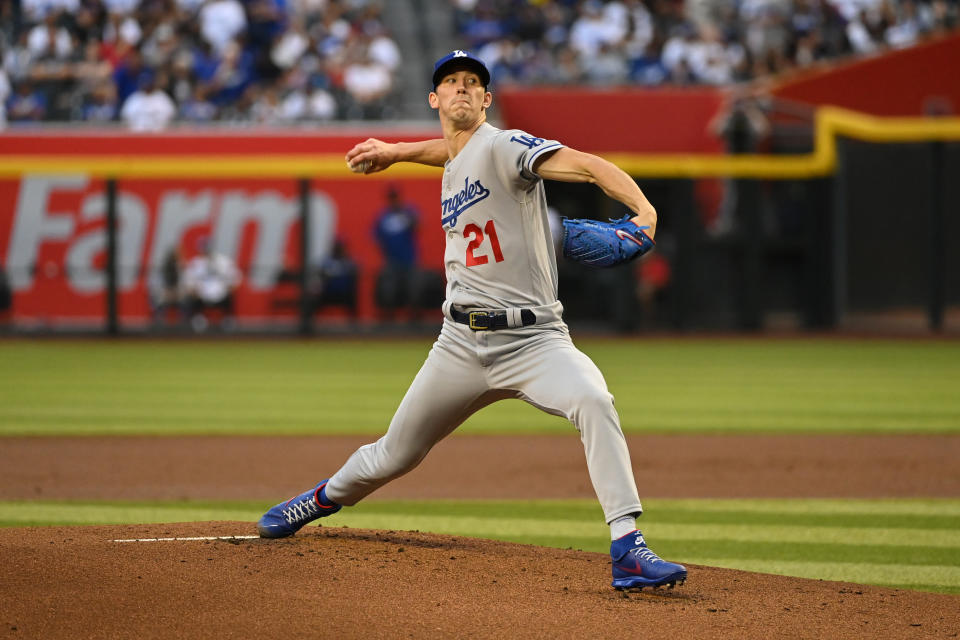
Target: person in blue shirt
(396, 233)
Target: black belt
(490, 320)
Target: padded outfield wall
(53, 218)
(808, 220)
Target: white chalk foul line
(195, 539)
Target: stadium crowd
(152, 62)
(653, 42)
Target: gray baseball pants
(466, 371)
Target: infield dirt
(333, 582)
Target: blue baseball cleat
(286, 518)
(636, 566)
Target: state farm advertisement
(53, 239)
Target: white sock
(622, 526)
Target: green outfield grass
(662, 385)
(352, 387)
(911, 544)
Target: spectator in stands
(321, 104)
(332, 33)
(566, 69)
(677, 51)
(507, 63)
(149, 109)
(267, 22)
(17, 59)
(160, 44)
(382, 48)
(209, 283)
(713, 61)
(233, 75)
(267, 108)
(63, 48)
(130, 75)
(942, 16)
(34, 11)
(100, 105)
(702, 41)
(126, 7)
(198, 108)
(482, 26)
(121, 35)
(27, 104)
(313, 102)
(646, 67)
(368, 83)
(597, 27)
(91, 89)
(221, 23)
(291, 46)
(905, 25)
(49, 40)
(5, 90)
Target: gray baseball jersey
(499, 255)
(494, 211)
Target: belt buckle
(475, 316)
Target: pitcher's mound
(76, 582)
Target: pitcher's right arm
(382, 154)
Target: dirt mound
(77, 582)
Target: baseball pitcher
(503, 335)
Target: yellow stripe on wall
(831, 122)
(319, 165)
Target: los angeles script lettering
(471, 194)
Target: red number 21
(476, 239)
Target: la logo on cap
(459, 54)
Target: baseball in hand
(360, 167)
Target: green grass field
(351, 387)
(667, 386)
(911, 544)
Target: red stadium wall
(52, 244)
(910, 82)
(907, 82)
(617, 120)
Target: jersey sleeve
(515, 153)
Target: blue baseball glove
(604, 244)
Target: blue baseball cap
(456, 60)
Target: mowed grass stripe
(944, 578)
(353, 386)
(839, 552)
(913, 557)
(923, 543)
(25, 514)
(680, 545)
(825, 506)
(929, 513)
(808, 520)
(839, 535)
(686, 507)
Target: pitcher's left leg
(550, 373)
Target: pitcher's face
(460, 97)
